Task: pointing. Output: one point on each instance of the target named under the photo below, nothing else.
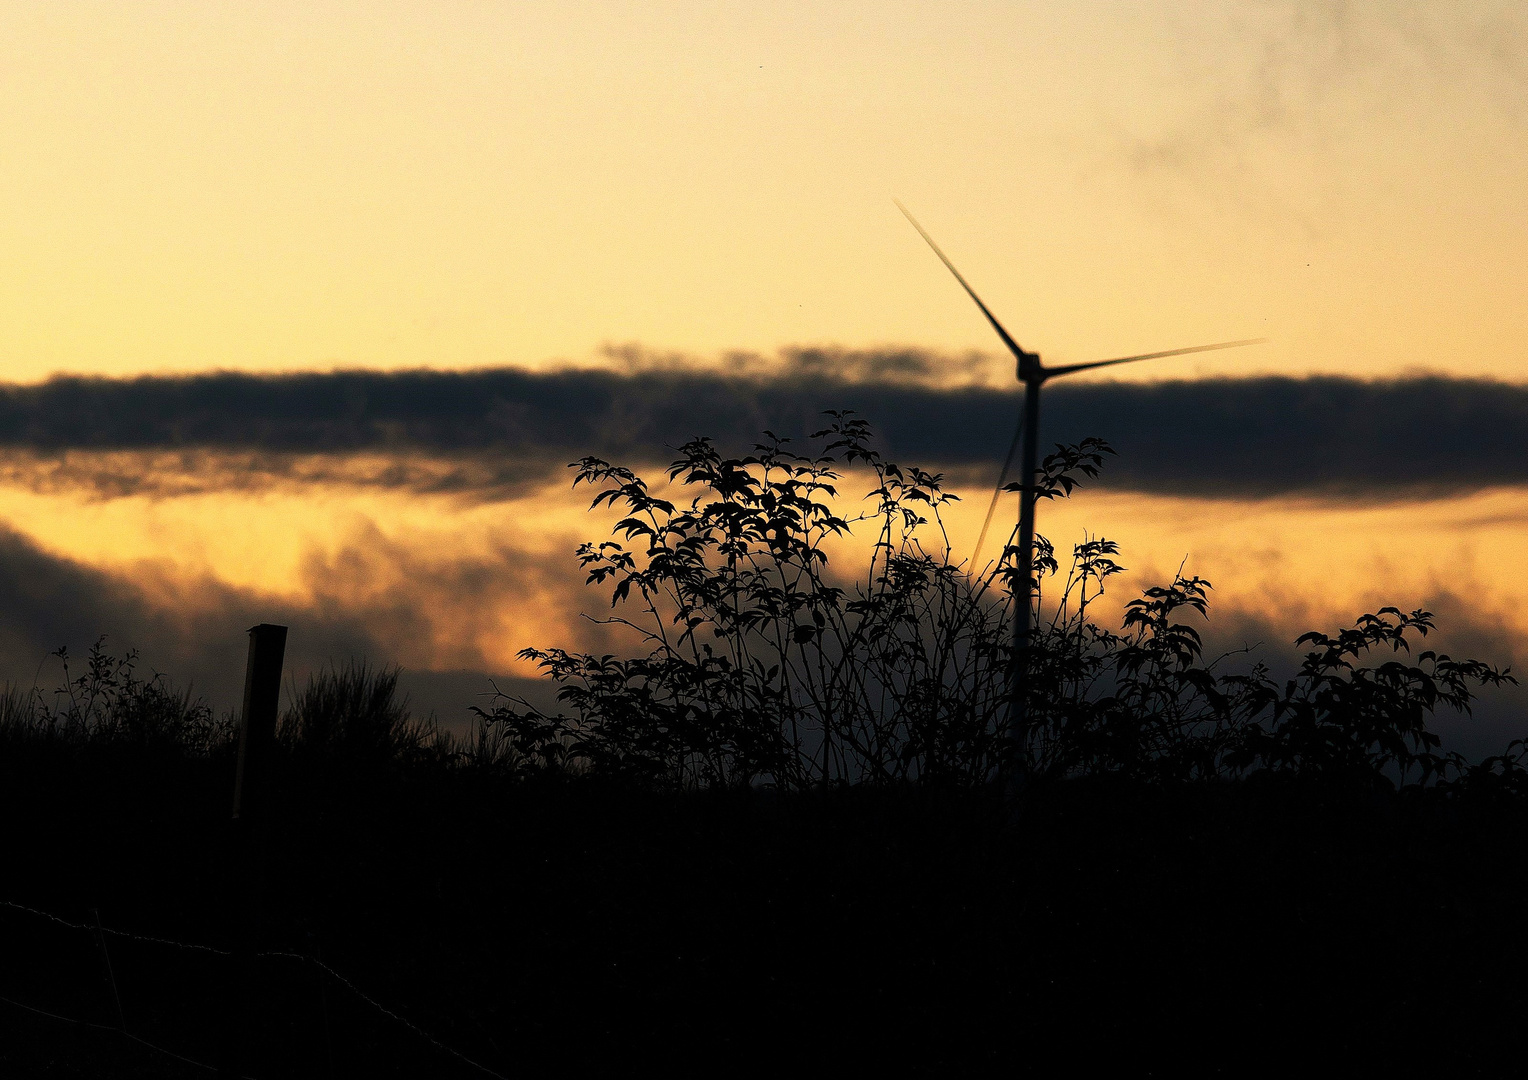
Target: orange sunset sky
(281, 186)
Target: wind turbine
(1033, 375)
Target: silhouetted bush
(761, 665)
(1335, 719)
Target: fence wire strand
(301, 957)
(114, 1031)
(358, 992)
(146, 938)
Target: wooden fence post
(257, 737)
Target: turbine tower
(1033, 374)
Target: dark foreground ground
(568, 929)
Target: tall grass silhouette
(354, 713)
(110, 703)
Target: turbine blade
(998, 491)
(1067, 369)
(1013, 346)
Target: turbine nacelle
(1033, 375)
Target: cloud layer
(492, 432)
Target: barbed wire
(358, 992)
(114, 933)
(191, 946)
(114, 1031)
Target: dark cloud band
(1228, 437)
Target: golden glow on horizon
(295, 186)
(481, 581)
(473, 575)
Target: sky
(668, 216)
(288, 186)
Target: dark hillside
(565, 927)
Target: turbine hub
(1029, 365)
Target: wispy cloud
(1262, 85)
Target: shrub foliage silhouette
(761, 663)
(1338, 719)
